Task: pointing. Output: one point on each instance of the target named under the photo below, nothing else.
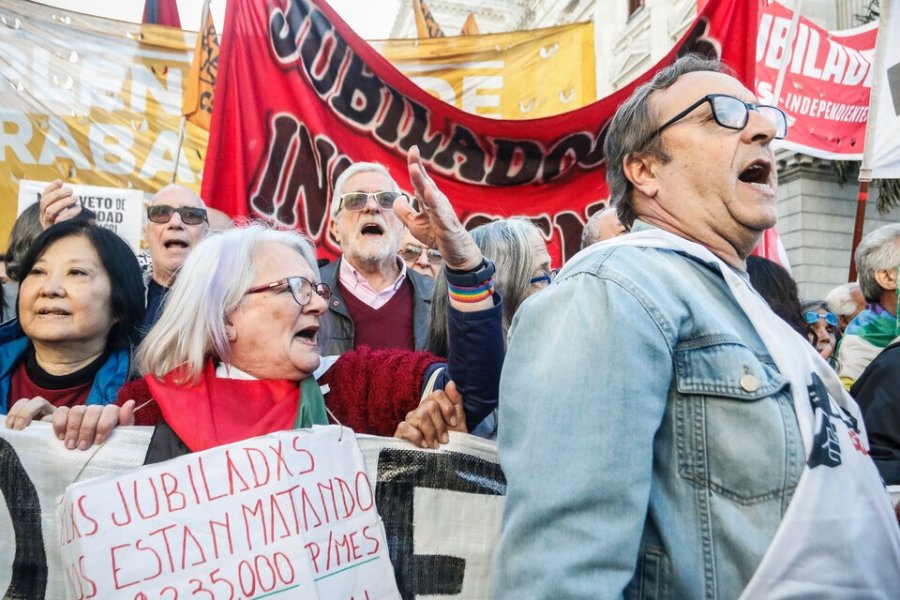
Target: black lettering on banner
(515, 163)
(462, 156)
(29, 568)
(322, 52)
(296, 176)
(360, 97)
(400, 472)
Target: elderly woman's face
(273, 337)
(66, 297)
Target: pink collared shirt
(354, 282)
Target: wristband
(469, 295)
(470, 279)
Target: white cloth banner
(439, 509)
(884, 125)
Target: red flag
(161, 12)
(299, 97)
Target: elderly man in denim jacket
(651, 445)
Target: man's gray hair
(212, 283)
(632, 131)
(840, 299)
(878, 251)
(355, 169)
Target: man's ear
(887, 279)
(332, 227)
(640, 169)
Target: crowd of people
(672, 419)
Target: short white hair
(840, 300)
(356, 169)
(878, 251)
(172, 187)
(211, 284)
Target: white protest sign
(291, 512)
(440, 508)
(120, 210)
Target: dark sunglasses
(411, 253)
(733, 113)
(301, 289)
(812, 316)
(357, 200)
(162, 213)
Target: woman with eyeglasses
(822, 329)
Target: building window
(634, 6)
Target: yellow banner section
(521, 75)
(91, 101)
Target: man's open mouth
(175, 244)
(372, 229)
(757, 172)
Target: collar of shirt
(225, 371)
(355, 283)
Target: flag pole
(181, 129)
(865, 169)
(788, 52)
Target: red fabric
(21, 386)
(390, 326)
(161, 12)
(219, 411)
(370, 391)
(299, 96)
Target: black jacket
(877, 391)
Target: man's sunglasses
(162, 213)
(411, 253)
(733, 113)
(812, 316)
(357, 200)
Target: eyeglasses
(301, 289)
(546, 278)
(812, 316)
(162, 213)
(357, 200)
(411, 253)
(733, 113)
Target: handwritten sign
(292, 513)
(119, 210)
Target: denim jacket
(650, 445)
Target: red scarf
(219, 411)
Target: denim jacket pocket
(731, 421)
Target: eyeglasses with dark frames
(355, 201)
(301, 289)
(411, 253)
(162, 213)
(546, 278)
(732, 113)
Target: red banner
(826, 85)
(299, 97)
